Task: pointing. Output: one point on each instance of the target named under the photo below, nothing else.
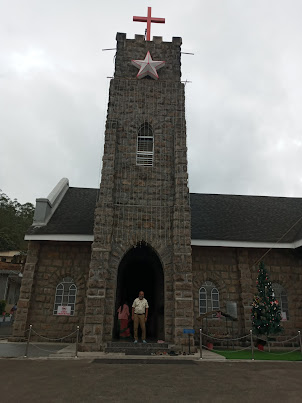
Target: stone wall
(47, 264)
(136, 49)
(220, 266)
(234, 272)
(143, 203)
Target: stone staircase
(130, 348)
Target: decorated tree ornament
(266, 313)
(148, 67)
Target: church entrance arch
(141, 270)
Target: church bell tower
(142, 229)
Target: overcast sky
(244, 117)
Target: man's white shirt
(140, 305)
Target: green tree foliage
(266, 313)
(15, 219)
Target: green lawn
(259, 355)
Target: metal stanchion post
(28, 339)
(252, 344)
(77, 342)
(299, 334)
(200, 342)
(189, 344)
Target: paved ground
(87, 381)
(64, 350)
(14, 350)
(5, 329)
(99, 377)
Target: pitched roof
(74, 215)
(214, 217)
(246, 218)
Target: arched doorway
(141, 269)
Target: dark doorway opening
(141, 270)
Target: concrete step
(159, 346)
(135, 351)
(149, 351)
(137, 348)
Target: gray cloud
(243, 106)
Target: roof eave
(194, 242)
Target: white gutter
(243, 244)
(62, 238)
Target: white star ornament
(147, 67)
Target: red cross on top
(148, 20)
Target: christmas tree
(266, 313)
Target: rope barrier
(249, 347)
(277, 342)
(243, 337)
(42, 349)
(30, 330)
(286, 352)
(229, 351)
(225, 339)
(52, 339)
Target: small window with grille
(65, 296)
(145, 145)
(208, 298)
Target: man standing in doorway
(140, 310)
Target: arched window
(65, 297)
(145, 140)
(281, 296)
(208, 298)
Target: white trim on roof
(59, 237)
(242, 244)
(45, 207)
(194, 242)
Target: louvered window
(145, 140)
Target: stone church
(89, 249)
